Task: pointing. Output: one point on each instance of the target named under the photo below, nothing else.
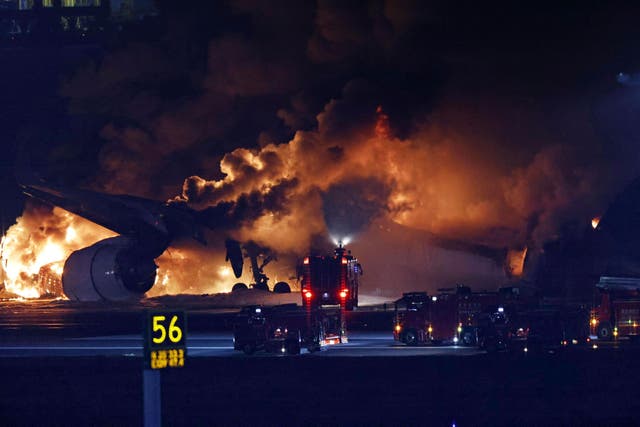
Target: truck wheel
(293, 348)
(281, 288)
(248, 349)
(490, 345)
(467, 339)
(605, 331)
(410, 337)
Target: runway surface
(377, 344)
(81, 364)
(62, 328)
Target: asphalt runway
(372, 344)
(582, 388)
(64, 364)
(59, 328)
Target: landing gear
(238, 287)
(261, 286)
(282, 288)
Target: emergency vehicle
(287, 329)
(449, 316)
(616, 311)
(545, 328)
(331, 280)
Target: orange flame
(35, 248)
(515, 261)
(594, 222)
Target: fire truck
(616, 311)
(536, 330)
(287, 329)
(448, 317)
(331, 280)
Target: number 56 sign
(165, 339)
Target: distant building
(127, 10)
(30, 4)
(66, 20)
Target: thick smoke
(292, 123)
(350, 207)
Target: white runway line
(102, 348)
(67, 348)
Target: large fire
(284, 195)
(35, 248)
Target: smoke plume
(379, 121)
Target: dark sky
(513, 109)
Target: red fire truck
(286, 329)
(448, 317)
(616, 311)
(331, 280)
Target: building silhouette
(23, 21)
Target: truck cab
(331, 280)
(286, 329)
(451, 316)
(616, 309)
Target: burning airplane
(288, 197)
(122, 266)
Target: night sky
(495, 127)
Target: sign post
(152, 404)
(165, 335)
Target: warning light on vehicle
(343, 293)
(308, 294)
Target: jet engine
(114, 269)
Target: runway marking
(67, 348)
(138, 338)
(100, 348)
